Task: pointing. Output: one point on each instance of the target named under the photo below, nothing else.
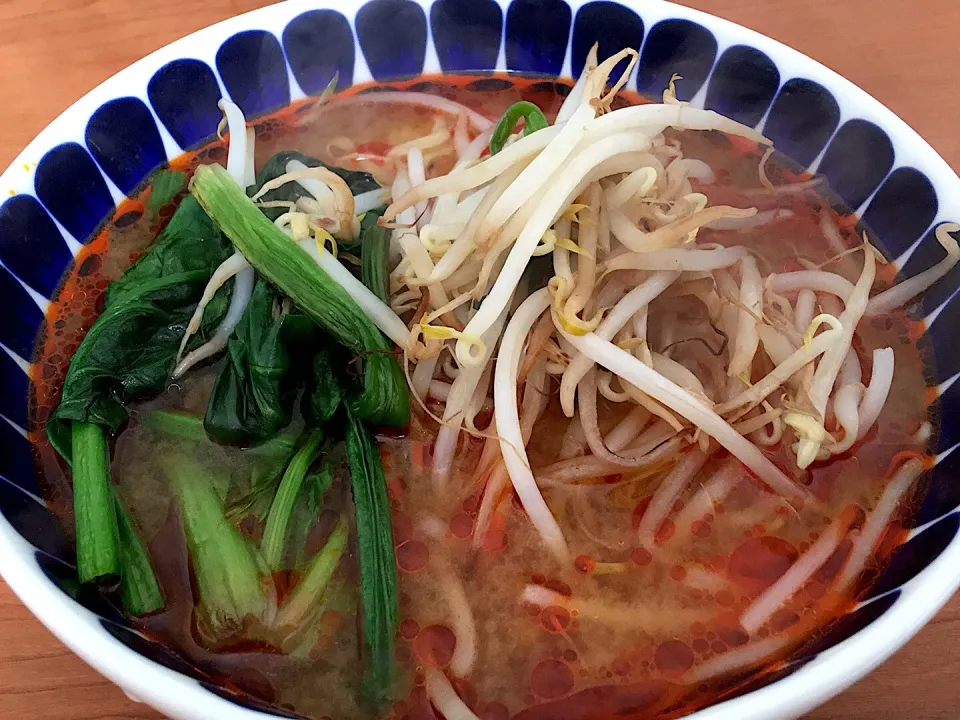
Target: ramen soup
(484, 398)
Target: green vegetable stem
(229, 584)
(374, 248)
(139, 591)
(254, 393)
(532, 115)
(294, 272)
(129, 352)
(309, 591)
(275, 535)
(378, 576)
(98, 552)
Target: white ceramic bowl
(75, 172)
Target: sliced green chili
(534, 117)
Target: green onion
(275, 534)
(297, 275)
(311, 587)
(374, 248)
(228, 580)
(98, 552)
(375, 552)
(139, 591)
(534, 117)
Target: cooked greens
(140, 593)
(374, 248)
(278, 521)
(230, 586)
(358, 182)
(253, 396)
(285, 264)
(129, 352)
(378, 574)
(300, 335)
(98, 553)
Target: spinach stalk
(315, 579)
(229, 584)
(139, 591)
(307, 512)
(374, 248)
(189, 427)
(275, 534)
(378, 577)
(296, 274)
(98, 551)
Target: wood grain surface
(903, 52)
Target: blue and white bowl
(73, 175)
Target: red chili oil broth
(632, 624)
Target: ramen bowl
(78, 171)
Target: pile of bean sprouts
(606, 197)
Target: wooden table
(903, 52)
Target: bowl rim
(831, 672)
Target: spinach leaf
(129, 352)
(374, 249)
(384, 398)
(164, 187)
(324, 390)
(276, 166)
(375, 552)
(253, 396)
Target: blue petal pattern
(13, 399)
(947, 362)
(902, 209)
(466, 34)
(16, 458)
(928, 253)
(29, 518)
(857, 160)
(32, 521)
(536, 36)
(610, 24)
(148, 648)
(22, 320)
(802, 119)
(916, 554)
(852, 623)
(743, 84)
(943, 491)
(393, 37)
(676, 46)
(63, 574)
(254, 72)
(319, 45)
(184, 95)
(124, 139)
(71, 187)
(31, 245)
